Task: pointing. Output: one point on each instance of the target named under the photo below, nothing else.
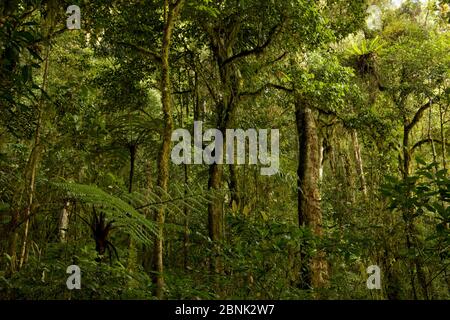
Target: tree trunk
(133, 149)
(147, 252)
(359, 163)
(171, 12)
(443, 145)
(215, 208)
(225, 108)
(321, 159)
(234, 186)
(33, 162)
(408, 217)
(64, 222)
(132, 250)
(186, 224)
(309, 211)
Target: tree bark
(132, 250)
(234, 186)
(64, 222)
(408, 215)
(186, 232)
(225, 107)
(171, 12)
(359, 162)
(309, 211)
(443, 145)
(321, 159)
(133, 150)
(33, 162)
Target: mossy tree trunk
(171, 13)
(314, 270)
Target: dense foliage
(86, 179)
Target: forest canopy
(348, 102)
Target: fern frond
(124, 214)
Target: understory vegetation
(86, 122)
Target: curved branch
(424, 141)
(152, 55)
(258, 49)
(266, 86)
(419, 114)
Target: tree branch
(182, 91)
(177, 4)
(266, 86)
(256, 50)
(419, 114)
(152, 55)
(424, 141)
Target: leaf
(419, 160)
(25, 35)
(35, 54)
(246, 211)
(26, 73)
(234, 207)
(264, 215)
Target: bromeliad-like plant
(100, 231)
(365, 56)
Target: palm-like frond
(128, 209)
(125, 215)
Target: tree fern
(125, 215)
(128, 209)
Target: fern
(179, 198)
(128, 209)
(125, 215)
(367, 47)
